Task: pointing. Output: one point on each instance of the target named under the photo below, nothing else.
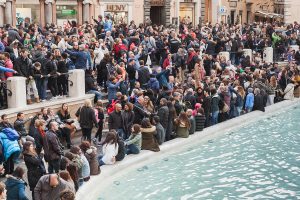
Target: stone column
(86, 10)
(42, 13)
(76, 83)
(17, 85)
(2, 5)
(48, 12)
(79, 12)
(168, 14)
(8, 12)
(147, 7)
(54, 12)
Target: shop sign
(116, 8)
(68, 12)
(157, 2)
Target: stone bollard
(77, 83)
(225, 54)
(248, 52)
(268, 55)
(17, 86)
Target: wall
(291, 11)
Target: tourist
(19, 124)
(87, 119)
(148, 131)
(215, 98)
(161, 132)
(115, 121)
(10, 149)
(38, 133)
(90, 85)
(15, 185)
(200, 119)
(148, 105)
(74, 168)
(288, 93)
(172, 116)
(65, 117)
(99, 114)
(90, 153)
(65, 175)
(134, 142)
(23, 66)
(127, 119)
(249, 100)
(192, 129)
(34, 164)
(163, 113)
(50, 186)
(67, 195)
(110, 150)
(112, 86)
(53, 148)
(182, 125)
(84, 176)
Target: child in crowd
(99, 112)
(249, 100)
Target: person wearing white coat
(289, 92)
(110, 150)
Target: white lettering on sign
(112, 7)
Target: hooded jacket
(15, 188)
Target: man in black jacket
(163, 113)
(258, 101)
(139, 112)
(115, 120)
(53, 148)
(143, 75)
(23, 65)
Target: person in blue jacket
(249, 100)
(10, 148)
(4, 69)
(81, 57)
(107, 24)
(112, 88)
(15, 185)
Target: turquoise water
(259, 161)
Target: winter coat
(127, 119)
(149, 141)
(35, 169)
(43, 190)
(89, 83)
(110, 152)
(181, 130)
(121, 150)
(143, 75)
(163, 113)
(215, 103)
(91, 156)
(86, 117)
(289, 92)
(135, 140)
(153, 84)
(161, 133)
(10, 147)
(38, 139)
(15, 188)
(85, 170)
(112, 90)
(52, 146)
(139, 113)
(249, 101)
(200, 122)
(81, 58)
(193, 125)
(115, 120)
(259, 103)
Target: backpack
(111, 107)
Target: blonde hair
(88, 103)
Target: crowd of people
(161, 84)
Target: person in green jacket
(134, 142)
(275, 39)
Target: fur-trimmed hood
(148, 130)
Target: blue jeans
(214, 117)
(121, 133)
(100, 161)
(132, 149)
(98, 95)
(41, 84)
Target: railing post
(268, 55)
(76, 83)
(17, 85)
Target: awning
(269, 15)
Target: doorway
(157, 15)
(232, 16)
